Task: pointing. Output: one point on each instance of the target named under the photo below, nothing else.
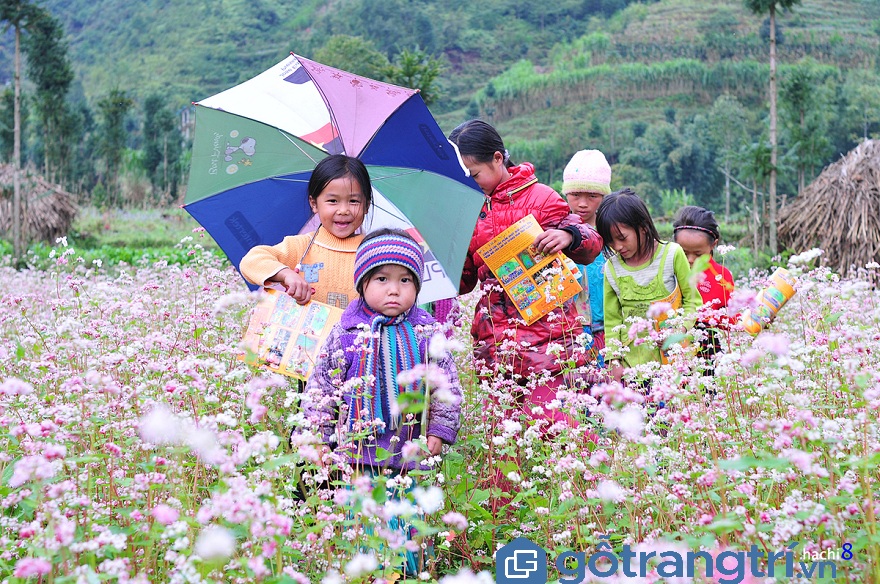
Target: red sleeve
(555, 214)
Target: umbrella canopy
(256, 144)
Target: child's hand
(435, 445)
(295, 285)
(553, 240)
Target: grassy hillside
(554, 77)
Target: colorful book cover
(284, 336)
(536, 283)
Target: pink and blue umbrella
(256, 144)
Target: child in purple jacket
(380, 335)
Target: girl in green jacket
(641, 271)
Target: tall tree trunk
(17, 240)
(727, 192)
(757, 222)
(772, 190)
(802, 167)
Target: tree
(807, 112)
(49, 69)
(111, 145)
(353, 54)
(19, 14)
(418, 70)
(162, 146)
(757, 156)
(728, 128)
(862, 91)
(7, 123)
(770, 7)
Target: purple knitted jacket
(338, 362)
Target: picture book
(537, 283)
(284, 336)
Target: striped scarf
(393, 348)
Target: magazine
(535, 282)
(284, 336)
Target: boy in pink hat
(585, 181)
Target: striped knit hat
(395, 247)
(587, 172)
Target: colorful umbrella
(256, 144)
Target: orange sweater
(328, 266)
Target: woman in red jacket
(512, 192)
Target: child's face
(391, 290)
(341, 206)
(488, 175)
(584, 205)
(625, 241)
(694, 243)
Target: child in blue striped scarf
(380, 335)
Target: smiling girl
(641, 270)
(320, 264)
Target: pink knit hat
(587, 172)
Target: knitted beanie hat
(391, 248)
(587, 172)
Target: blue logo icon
(521, 562)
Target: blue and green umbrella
(257, 143)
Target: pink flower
(772, 343)
(29, 567)
(658, 309)
(456, 520)
(164, 514)
(411, 451)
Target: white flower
(629, 422)
(439, 346)
(204, 443)
(610, 491)
(360, 565)
(161, 426)
(430, 499)
(215, 543)
(228, 301)
(806, 257)
(332, 577)
(724, 249)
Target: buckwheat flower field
(135, 446)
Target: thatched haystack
(839, 212)
(49, 209)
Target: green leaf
(700, 265)
(280, 461)
(747, 462)
(382, 454)
(479, 496)
(674, 339)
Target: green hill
(618, 75)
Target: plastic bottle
(770, 300)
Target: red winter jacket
(511, 201)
